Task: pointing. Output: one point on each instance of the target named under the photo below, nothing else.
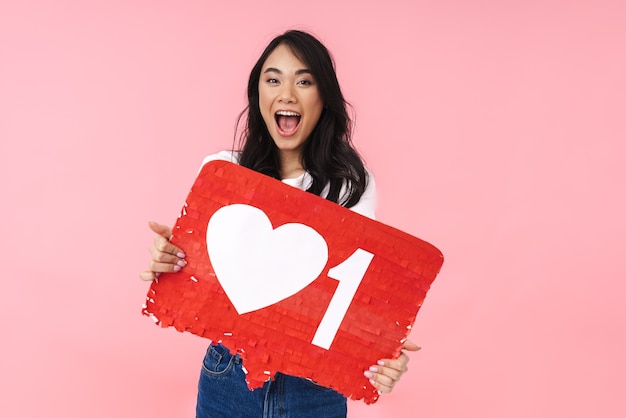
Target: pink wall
(495, 129)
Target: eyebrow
(276, 70)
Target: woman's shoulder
(231, 156)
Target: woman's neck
(290, 166)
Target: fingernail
(181, 263)
(368, 374)
(372, 382)
(180, 254)
(177, 268)
(373, 369)
(380, 363)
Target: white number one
(349, 274)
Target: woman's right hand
(166, 258)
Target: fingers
(163, 251)
(387, 372)
(163, 230)
(165, 257)
(148, 275)
(410, 346)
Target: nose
(286, 93)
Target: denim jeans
(222, 392)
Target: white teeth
(287, 113)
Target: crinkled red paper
(278, 337)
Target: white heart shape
(257, 265)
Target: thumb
(163, 230)
(410, 346)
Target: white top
(366, 205)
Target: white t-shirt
(366, 205)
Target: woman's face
(289, 100)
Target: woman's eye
(305, 82)
(272, 81)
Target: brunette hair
(328, 154)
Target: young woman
(297, 130)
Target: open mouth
(287, 121)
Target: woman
(297, 130)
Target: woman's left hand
(387, 372)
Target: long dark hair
(328, 154)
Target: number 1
(349, 273)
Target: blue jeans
(222, 392)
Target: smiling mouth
(287, 121)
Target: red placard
(291, 281)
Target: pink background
(495, 130)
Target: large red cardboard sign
(290, 281)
